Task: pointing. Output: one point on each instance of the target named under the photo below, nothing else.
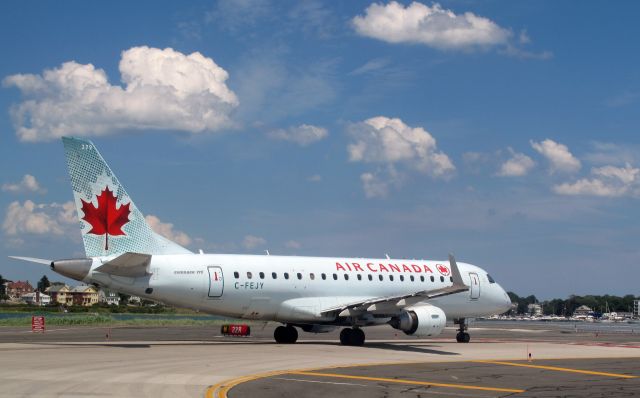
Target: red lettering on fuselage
(380, 267)
(339, 267)
(394, 267)
(405, 268)
(383, 268)
(416, 268)
(369, 265)
(357, 267)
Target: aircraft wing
(400, 301)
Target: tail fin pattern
(111, 222)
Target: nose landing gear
(462, 336)
(352, 336)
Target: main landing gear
(285, 334)
(462, 336)
(352, 336)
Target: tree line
(566, 307)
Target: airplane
(314, 294)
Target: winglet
(455, 272)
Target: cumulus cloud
(558, 156)
(518, 165)
(163, 90)
(608, 181)
(302, 135)
(251, 241)
(433, 26)
(166, 230)
(28, 184)
(391, 144)
(390, 141)
(33, 218)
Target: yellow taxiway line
(559, 369)
(403, 381)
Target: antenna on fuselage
(267, 251)
(387, 256)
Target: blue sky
(505, 132)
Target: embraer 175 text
(315, 294)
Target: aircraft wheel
(345, 336)
(292, 334)
(463, 337)
(357, 337)
(280, 334)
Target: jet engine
(425, 320)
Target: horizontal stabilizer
(32, 260)
(128, 264)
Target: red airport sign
(235, 330)
(37, 324)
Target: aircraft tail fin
(111, 222)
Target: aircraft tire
(292, 334)
(357, 337)
(463, 337)
(280, 335)
(345, 336)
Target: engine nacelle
(425, 320)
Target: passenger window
(370, 277)
(401, 278)
(261, 275)
(412, 278)
(346, 277)
(249, 275)
(286, 275)
(274, 275)
(236, 274)
(421, 278)
(359, 277)
(335, 277)
(299, 275)
(391, 278)
(380, 277)
(312, 276)
(433, 279)
(442, 279)
(324, 277)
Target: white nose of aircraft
(501, 298)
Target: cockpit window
(491, 280)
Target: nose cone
(77, 269)
(504, 302)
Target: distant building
(134, 300)
(583, 310)
(60, 294)
(84, 295)
(36, 298)
(636, 308)
(15, 290)
(109, 297)
(3, 288)
(534, 309)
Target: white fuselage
(298, 289)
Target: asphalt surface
(198, 361)
(550, 378)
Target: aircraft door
(216, 281)
(475, 286)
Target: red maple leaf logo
(106, 219)
(442, 269)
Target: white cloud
(608, 181)
(432, 26)
(32, 218)
(315, 178)
(370, 66)
(373, 186)
(390, 141)
(251, 241)
(518, 165)
(166, 230)
(302, 135)
(28, 184)
(163, 90)
(293, 244)
(558, 155)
